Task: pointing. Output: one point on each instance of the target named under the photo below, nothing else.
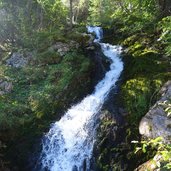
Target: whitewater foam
(69, 143)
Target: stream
(68, 146)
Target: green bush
(163, 150)
(47, 57)
(165, 37)
(137, 94)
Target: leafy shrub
(136, 97)
(47, 57)
(163, 161)
(165, 37)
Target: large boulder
(19, 60)
(157, 122)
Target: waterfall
(69, 143)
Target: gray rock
(5, 87)
(90, 48)
(157, 122)
(151, 165)
(90, 38)
(64, 48)
(3, 14)
(17, 60)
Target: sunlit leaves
(165, 36)
(162, 159)
(134, 14)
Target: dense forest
(47, 65)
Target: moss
(146, 70)
(41, 92)
(39, 87)
(136, 92)
(47, 57)
(149, 71)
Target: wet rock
(107, 137)
(74, 168)
(100, 61)
(123, 112)
(157, 122)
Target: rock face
(151, 165)
(157, 122)
(64, 48)
(5, 87)
(101, 62)
(18, 59)
(61, 48)
(106, 138)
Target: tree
(20, 19)
(71, 13)
(77, 10)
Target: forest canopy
(19, 19)
(22, 18)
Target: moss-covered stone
(146, 70)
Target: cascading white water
(69, 143)
(98, 32)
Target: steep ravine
(40, 81)
(69, 143)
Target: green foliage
(100, 11)
(54, 12)
(163, 150)
(134, 24)
(166, 105)
(47, 86)
(47, 57)
(137, 95)
(165, 37)
(134, 15)
(21, 20)
(149, 71)
(43, 91)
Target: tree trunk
(165, 7)
(71, 14)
